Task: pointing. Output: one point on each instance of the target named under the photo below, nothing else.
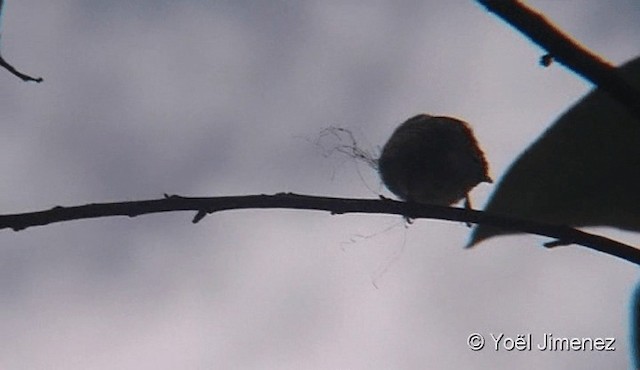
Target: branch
(8, 66)
(566, 51)
(23, 76)
(203, 206)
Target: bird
(433, 160)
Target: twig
(8, 66)
(23, 76)
(204, 206)
(562, 48)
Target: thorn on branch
(199, 216)
(546, 60)
(557, 243)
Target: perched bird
(432, 160)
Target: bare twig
(563, 49)
(204, 206)
(8, 66)
(23, 76)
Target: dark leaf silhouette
(583, 171)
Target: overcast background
(211, 98)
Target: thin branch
(204, 206)
(22, 76)
(11, 68)
(567, 51)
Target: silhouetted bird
(432, 160)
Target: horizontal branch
(566, 51)
(203, 206)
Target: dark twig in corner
(564, 50)
(12, 69)
(204, 206)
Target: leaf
(583, 171)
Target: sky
(217, 98)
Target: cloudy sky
(211, 98)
